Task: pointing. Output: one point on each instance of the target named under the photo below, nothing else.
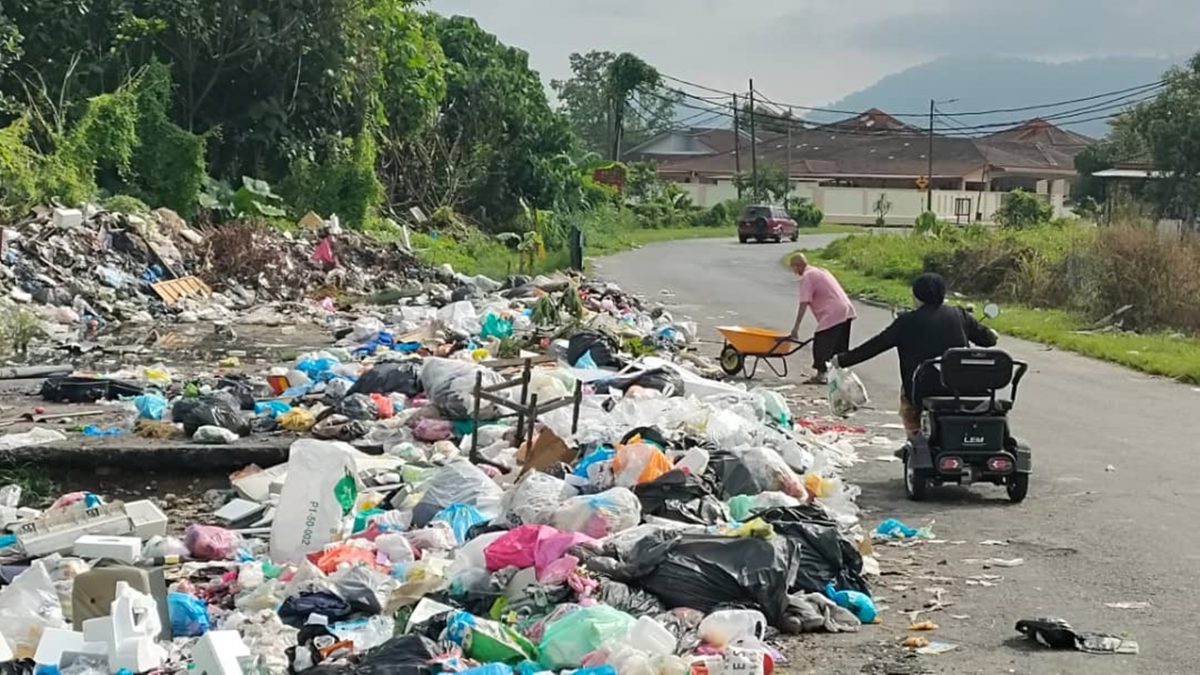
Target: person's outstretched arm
(868, 350)
(978, 333)
(799, 317)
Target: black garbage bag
(295, 610)
(23, 667)
(706, 572)
(682, 497)
(650, 435)
(628, 599)
(219, 408)
(404, 655)
(360, 407)
(602, 348)
(240, 389)
(87, 389)
(1056, 633)
(825, 556)
(684, 624)
(660, 379)
(402, 377)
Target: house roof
(678, 143)
(872, 145)
(873, 120)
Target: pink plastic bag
(206, 542)
(324, 253)
(431, 430)
(537, 546)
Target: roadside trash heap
(641, 518)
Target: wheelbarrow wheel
(732, 360)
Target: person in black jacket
(922, 334)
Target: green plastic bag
(488, 641)
(494, 326)
(566, 641)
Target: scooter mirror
(991, 310)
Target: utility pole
(753, 147)
(787, 171)
(737, 144)
(929, 175)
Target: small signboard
(612, 176)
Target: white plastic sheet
(28, 607)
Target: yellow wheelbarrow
(761, 344)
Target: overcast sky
(812, 52)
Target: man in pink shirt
(821, 292)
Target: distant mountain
(991, 82)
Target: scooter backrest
(968, 371)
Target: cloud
(815, 51)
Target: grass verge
(1168, 355)
(36, 484)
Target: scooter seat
(967, 405)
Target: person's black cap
(930, 289)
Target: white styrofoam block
(54, 642)
(147, 519)
(68, 218)
(123, 549)
(139, 655)
(217, 653)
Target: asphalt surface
(1111, 517)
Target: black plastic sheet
(87, 389)
(682, 497)
(404, 655)
(296, 609)
(219, 409)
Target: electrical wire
(1133, 91)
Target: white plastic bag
(846, 391)
(728, 430)
(318, 494)
(600, 515)
(28, 606)
(535, 498)
(460, 316)
(459, 482)
(450, 385)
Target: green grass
(36, 484)
(1154, 353)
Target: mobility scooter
(965, 436)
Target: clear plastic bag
(728, 430)
(534, 499)
(28, 606)
(777, 409)
(459, 482)
(460, 316)
(600, 515)
(639, 463)
(846, 391)
(763, 470)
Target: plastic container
(652, 637)
(733, 626)
(694, 462)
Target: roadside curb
(181, 457)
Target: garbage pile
(95, 269)
(490, 481)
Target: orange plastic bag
(639, 463)
(329, 560)
(384, 405)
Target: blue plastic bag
(489, 669)
(601, 454)
(894, 529)
(93, 430)
(189, 615)
(318, 369)
(272, 409)
(860, 604)
(494, 326)
(461, 518)
(150, 406)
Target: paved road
(1112, 513)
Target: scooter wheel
(732, 360)
(916, 481)
(1018, 487)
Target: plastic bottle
(695, 461)
(652, 637)
(730, 626)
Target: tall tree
(588, 96)
(1170, 126)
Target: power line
(1131, 91)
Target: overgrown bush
(343, 181)
(18, 328)
(804, 212)
(1158, 278)
(1019, 209)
